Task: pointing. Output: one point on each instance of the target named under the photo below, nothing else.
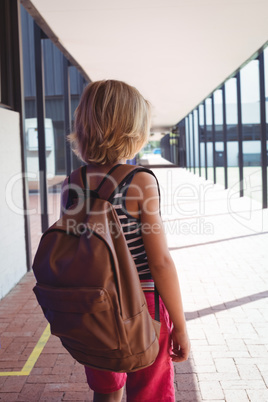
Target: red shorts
(153, 383)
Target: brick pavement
(219, 243)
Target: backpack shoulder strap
(110, 183)
(108, 188)
(76, 176)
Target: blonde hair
(112, 122)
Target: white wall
(12, 234)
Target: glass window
(209, 138)
(182, 143)
(77, 85)
(196, 140)
(219, 148)
(232, 132)
(191, 139)
(54, 125)
(250, 103)
(187, 135)
(202, 139)
(265, 53)
(30, 125)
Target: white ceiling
(176, 52)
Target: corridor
(219, 243)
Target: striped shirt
(132, 231)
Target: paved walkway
(219, 243)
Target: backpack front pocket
(83, 318)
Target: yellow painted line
(32, 359)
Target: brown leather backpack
(88, 284)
